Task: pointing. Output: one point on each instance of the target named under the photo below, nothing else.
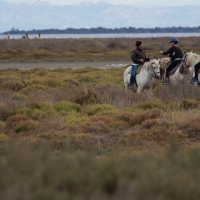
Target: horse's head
(155, 68)
(190, 59)
(164, 63)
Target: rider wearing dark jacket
(138, 55)
(176, 55)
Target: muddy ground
(73, 65)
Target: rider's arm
(134, 57)
(170, 51)
(147, 59)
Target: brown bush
(189, 104)
(191, 128)
(138, 119)
(20, 123)
(13, 85)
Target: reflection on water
(108, 35)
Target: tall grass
(85, 49)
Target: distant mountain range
(43, 15)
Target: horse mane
(196, 56)
(164, 62)
(148, 64)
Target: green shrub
(101, 109)
(3, 138)
(85, 79)
(42, 72)
(150, 105)
(37, 110)
(33, 88)
(5, 112)
(19, 97)
(189, 104)
(64, 107)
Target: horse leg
(126, 86)
(139, 89)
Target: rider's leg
(196, 69)
(168, 69)
(134, 68)
(166, 77)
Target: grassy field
(76, 134)
(98, 49)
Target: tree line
(108, 30)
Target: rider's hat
(174, 39)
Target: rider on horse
(176, 55)
(138, 57)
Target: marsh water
(108, 35)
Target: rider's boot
(194, 80)
(165, 81)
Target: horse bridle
(184, 62)
(155, 73)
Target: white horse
(191, 59)
(8, 37)
(25, 36)
(38, 36)
(180, 73)
(145, 77)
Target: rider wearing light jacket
(176, 55)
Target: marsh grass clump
(20, 123)
(101, 109)
(189, 104)
(154, 104)
(139, 118)
(37, 110)
(191, 128)
(14, 85)
(5, 111)
(3, 138)
(85, 79)
(42, 72)
(64, 107)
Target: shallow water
(122, 35)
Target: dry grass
(76, 134)
(85, 49)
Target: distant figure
(38, 36)
(25, 36)
(8, 37)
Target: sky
(136, 3)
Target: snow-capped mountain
(43, 15)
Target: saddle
(183, 70)
(138, 69)
(133, 76)
(172, 71)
